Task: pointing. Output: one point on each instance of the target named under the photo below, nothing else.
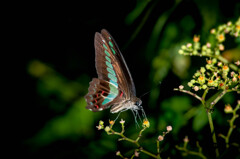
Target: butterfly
(114, 86)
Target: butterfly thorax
(134, 104)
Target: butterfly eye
(138, 103)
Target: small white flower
(208, 45)
(160, 138)
(169, 128)
(196, 88)
(181, 87)
(122, 121)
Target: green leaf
(132, 16)
(200, 119)
(77, 121)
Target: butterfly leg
(138, 115)
(117, 116)
(135, 117)
(143, 113)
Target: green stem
(218, 98)
(203, 99)
(210, 118)
(204, 94)
(158, 149)
(213, 133)
(125, 138)
(191, 152)
(135, 142)
(149, 153)
(140, 134)
(188, 92)
(231, 123)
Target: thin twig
(188, 92)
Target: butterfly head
(138, 103)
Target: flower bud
(221, 38)
(204, 86)
(186, 139)
(213, 31)
(111, 122)
(225, 68)
(196, 88)
(196, 38)
(202, 69)
(237, 63)
(136, 153)
(101, 122)
(210, 82)
(190, 84)
(180, 51)
(99, 127)
(122, 121)
(160, 138)
(228, 109)
(118, 153)
(189, 45)
(169, 128)
(146, 123)
(201, 79)
(107, 129)
(208, 45)
(181, 87)
(221, 47)
(234, 79)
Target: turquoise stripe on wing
(114, 83)
(113, 92)
(107, 100)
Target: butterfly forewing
(123, 73)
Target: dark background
(57, 61)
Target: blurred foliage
(54, 121)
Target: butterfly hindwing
(101, 94)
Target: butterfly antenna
(150, 90)
(144, 94)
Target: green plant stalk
(204, 94)
(218, 98)
(134, 141)
(206, 105)
(231, 122)
(140, 134)
(132, 156)
(191, 152)
(209, 114)
(213, 133)
(149, 153)
(158, 149)
(188, 92)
